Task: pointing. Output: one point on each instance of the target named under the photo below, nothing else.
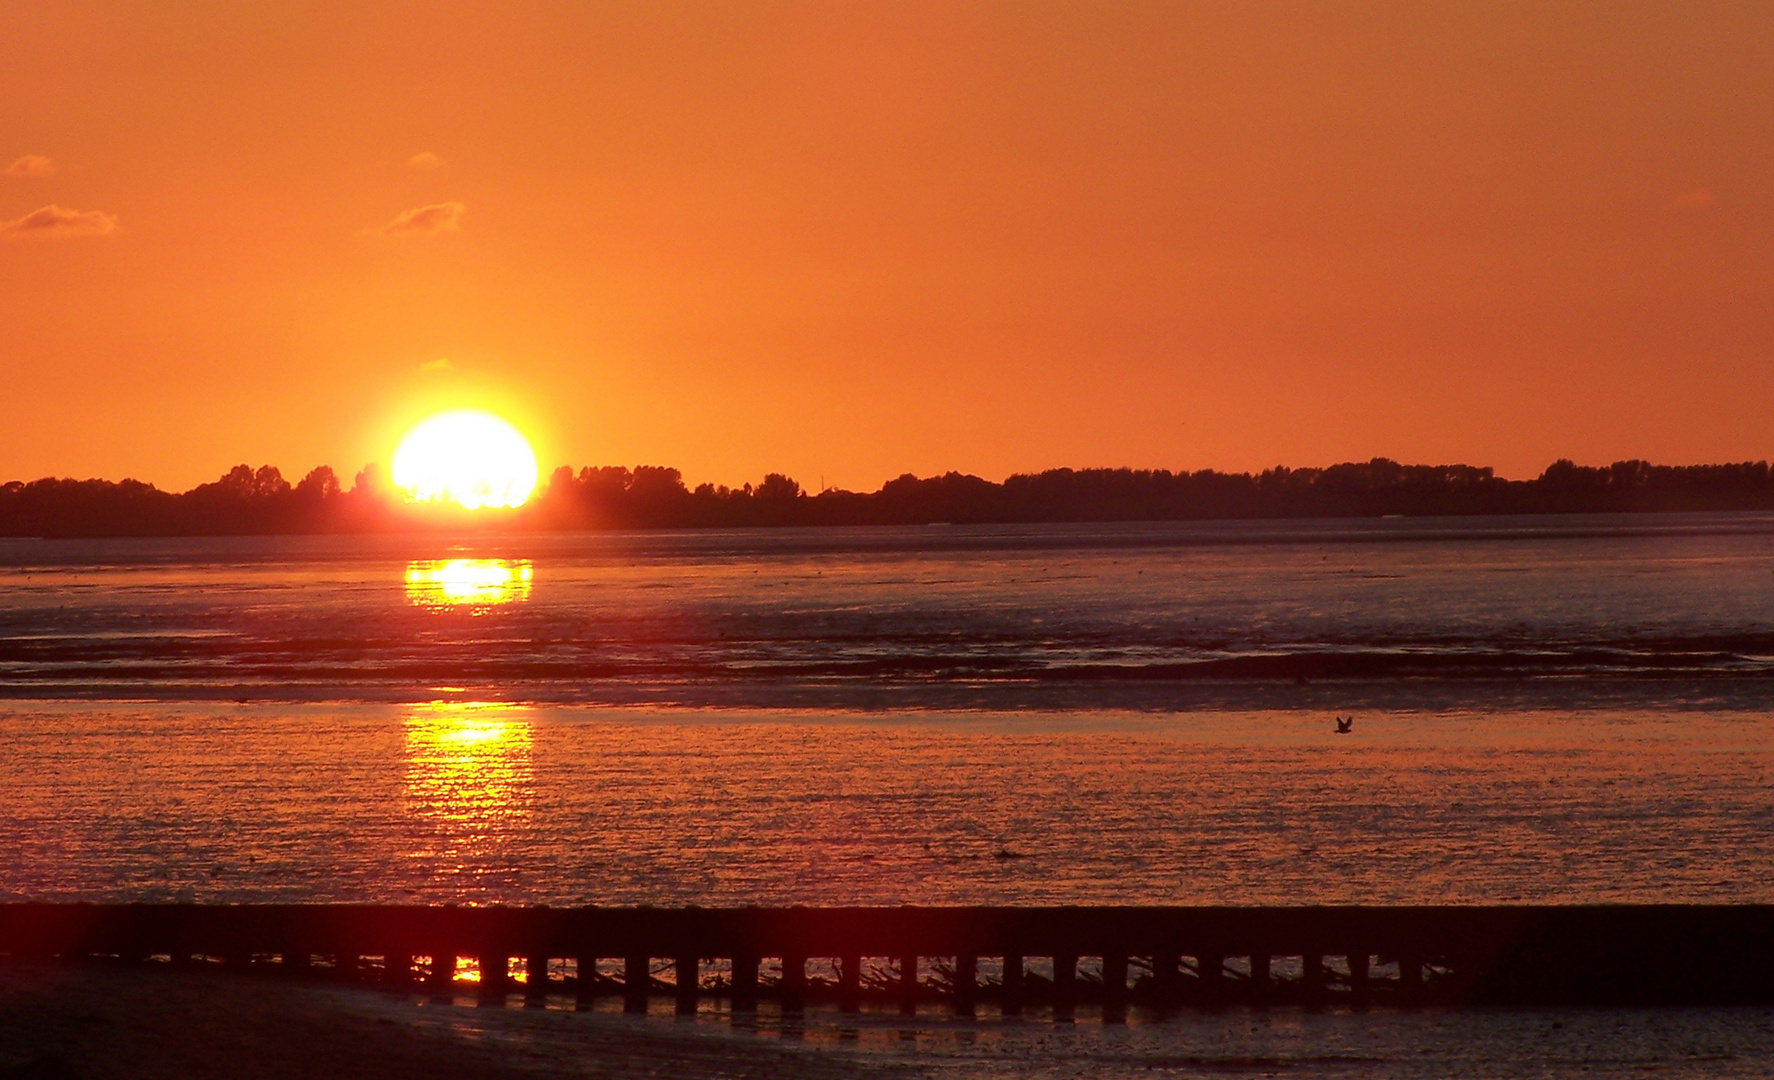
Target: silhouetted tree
(248, 500)
(319, 485)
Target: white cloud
(436, 218)
(31, 165)
(59, 221)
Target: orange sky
(853, 240)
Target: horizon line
(369, 469)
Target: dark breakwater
(1614, 955)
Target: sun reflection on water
(468, 583)
(468, 777)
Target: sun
(465, 456)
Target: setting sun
(468, 457)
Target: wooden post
(495, 975)
(908, 984)
(1114, 989)
(442, 975)
(966, 983)
(1167, 978)
(1065, 984)
(794, 981)
(745, 982)
(637, 980)
(1210, 968)
(1410, 977)
(1359, 983)
(585, 978)
(1312, 975)
(1012, 1001)
(689, 972)
(850, 983)
(1259, 974)
(535, 979)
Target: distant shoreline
(249, 502)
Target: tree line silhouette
(247, 501)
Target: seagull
(1345, 724)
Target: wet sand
(64, 1023)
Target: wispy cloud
(31, 165)
(436, 218)
(440, 364)
(425, 161)
(59, 221)
(1693, 200)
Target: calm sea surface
(1547, 710)
(1034, 617)
(571, 805)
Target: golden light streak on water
(468, 583)
(469, 779)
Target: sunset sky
(853, 240)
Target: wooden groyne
(1013, 957)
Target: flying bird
(1345, 724)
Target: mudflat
(97, 1023)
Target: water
(485, 803)
(1547, 710)
(1034, 617)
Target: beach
(98, 1023)
(156, 1023)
